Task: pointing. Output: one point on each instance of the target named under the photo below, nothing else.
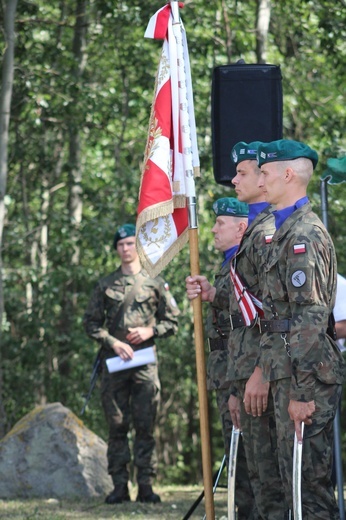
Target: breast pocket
(113, 298)
(145, 297)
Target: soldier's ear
(289, 174)
(242, 228)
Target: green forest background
(83, 87)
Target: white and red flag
(171, 156)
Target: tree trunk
(262, 28)
(228, 30)
(5, 106)
(75, 185)
(75, 192)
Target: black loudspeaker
(246, 105)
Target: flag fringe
(161, 209)
(179, 201)
(196, 171)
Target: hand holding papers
(141, 357)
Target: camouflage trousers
(130, 398)
(260, 443)
(244, 498)
(318, 499)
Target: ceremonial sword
(297, 476)
(232, 468)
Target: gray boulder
(50, 453)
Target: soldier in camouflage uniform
(258, 428)
(230, 225)
(298, 356)
(127, 310)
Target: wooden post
(201, 381)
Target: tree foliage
(83, 87)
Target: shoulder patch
(166, 286)
(268, 239)
(299, 249)
(298, 278)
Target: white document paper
(141, 357)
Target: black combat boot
(119, 494)
(146, 494)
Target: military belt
(274, 325)
(218, 344)
(237, 321)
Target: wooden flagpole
(194, 267)
(201, 373)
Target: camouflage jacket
(243, 343)
(218, 326)
(300, 285)
(152, 305)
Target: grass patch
(176, 502)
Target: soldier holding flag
(228, 230)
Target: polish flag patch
(299, 249)
(268, 239)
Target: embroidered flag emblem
(268, 239)
(299, 248)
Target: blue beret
(244, 151)
(230, 207)
(285, 150)
(126, 230)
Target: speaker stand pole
(216, 479)
(336, 424)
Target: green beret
(230, 207)
(126, 230)
(336, 170)
(244, 151)
(285, 150)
